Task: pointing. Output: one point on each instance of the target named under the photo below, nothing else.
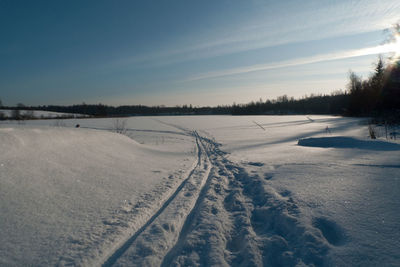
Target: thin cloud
(267, 29)
(382, 49)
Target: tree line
(379, 94)
(335, 103)
(376, 96)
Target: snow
(64, 192)
(199, 190)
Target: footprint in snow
(268, 176)
(285, 193)
(257, 164)
(332, 232)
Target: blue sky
(185, 52)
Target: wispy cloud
(269, 28)
(382, 49)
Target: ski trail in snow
(167, 260)
(137, 130)
(168, 218)
(239, 220)
(222, 216)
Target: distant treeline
(314, 104)
(378, 95)
(335, 103)
(100, 110)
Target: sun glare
(396, 47)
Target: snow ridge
(148, 245)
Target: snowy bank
(65, 193)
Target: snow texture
(199, 191)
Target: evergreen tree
(376, 84)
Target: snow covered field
(199, 190)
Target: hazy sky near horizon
(185, 52)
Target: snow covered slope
(65, 193)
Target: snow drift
(64, 192)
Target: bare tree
(16, 114)
(119, 126)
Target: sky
(186, 52)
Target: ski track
(160, 228)
(221, 215)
